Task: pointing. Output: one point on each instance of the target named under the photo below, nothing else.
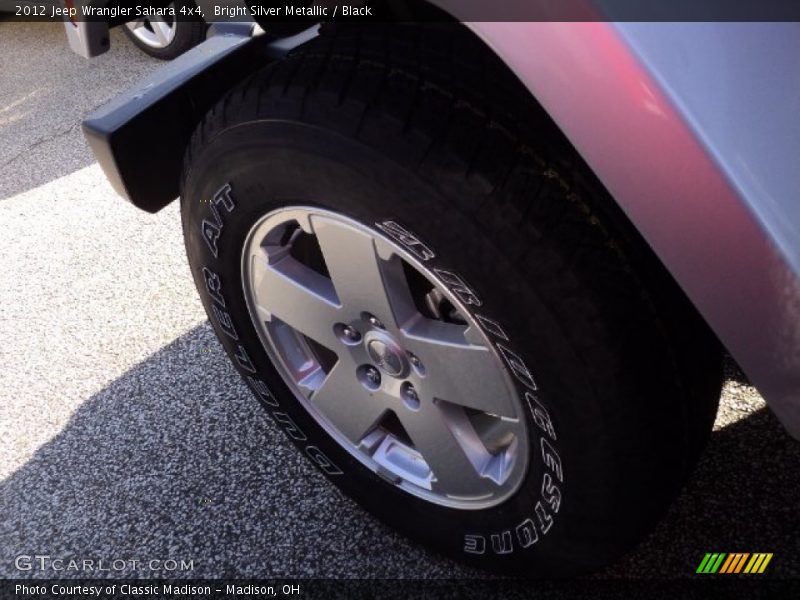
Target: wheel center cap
(387, 356)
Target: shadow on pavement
(742, 497)
(176, 460)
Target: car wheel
(441, 307)
(167, 37)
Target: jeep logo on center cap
(386, 357)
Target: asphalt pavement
(126, 434)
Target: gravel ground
(125, 433)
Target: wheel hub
(386, 354)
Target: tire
(618, 377)
(184, 33)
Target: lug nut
(410, 396)
(416, 363)
(369, 376)
(347, 333)
(373, 375)
(374, 321)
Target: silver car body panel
(694, 130)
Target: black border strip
(462, 10)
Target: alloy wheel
(385, 357)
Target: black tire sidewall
(271, 164)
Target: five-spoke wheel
(384, 357)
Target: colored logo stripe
(711, 563)
(734, 563)
(720, 562)
(758, 563)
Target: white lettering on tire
(527, 532)
(406, 239)
(474, 544)
(211, 231)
